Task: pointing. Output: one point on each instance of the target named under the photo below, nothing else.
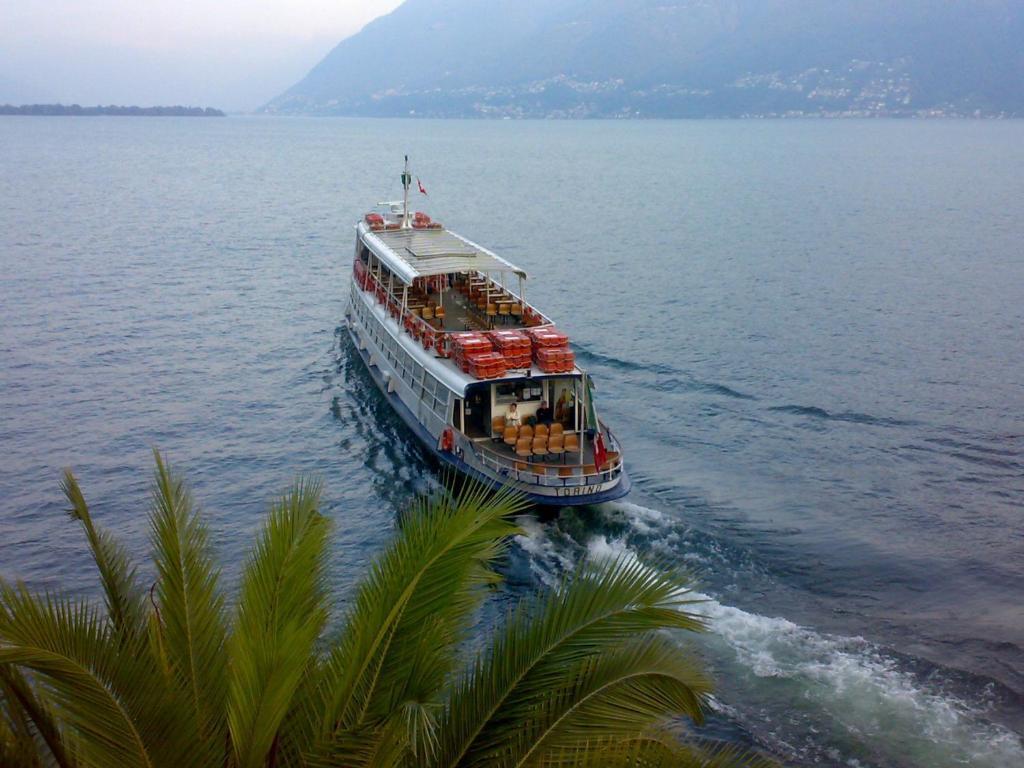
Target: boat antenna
(406, 183)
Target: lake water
(807, 334)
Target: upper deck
(438, 285)
(429, 250)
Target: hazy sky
(234, 54)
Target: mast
(406, 182)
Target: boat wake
(807, 696)
(848, 416)
(669, 379)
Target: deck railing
(543, 473)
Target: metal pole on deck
(406, 182)
(582, 416)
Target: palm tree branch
(191, 608)
(279, 617)
(124, 598)
(660, 678)
(436, 544)
(17, 689)
(666, 591)
(56, 665)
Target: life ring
(447, 440)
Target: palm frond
(191, 628)
(656, 748)
(592, 612)
(725, 756)
(396, 649)
(111, 700)
(378, 747)
(620, 692)
(19, 747)
(280, 614)
(124, 598)
(17, 693)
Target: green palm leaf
(111, 698)
(191, 632)
(657, 748)
(125, 600)
(618, 693)
(280, 615)
(19, 695)
(410, 613)
(542, 645)
(18, 744)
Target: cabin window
(518, 392)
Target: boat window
(519, 391)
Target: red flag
(420, 185)
(600, 454)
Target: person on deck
(544, 413)
(512, 416)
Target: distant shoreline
(74, 110)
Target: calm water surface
(808, 334)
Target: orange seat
(524, 447)
(497, 425)
(557, 429)
(511, 436)
(540, 446)
(542, 429)
(566, 471)
(526, 431)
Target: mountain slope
(663, 58)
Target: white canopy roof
(412, 253)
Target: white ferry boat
(483, 379)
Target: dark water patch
(852, 417)
(670, 379)
(959, 451)
(675, 384)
